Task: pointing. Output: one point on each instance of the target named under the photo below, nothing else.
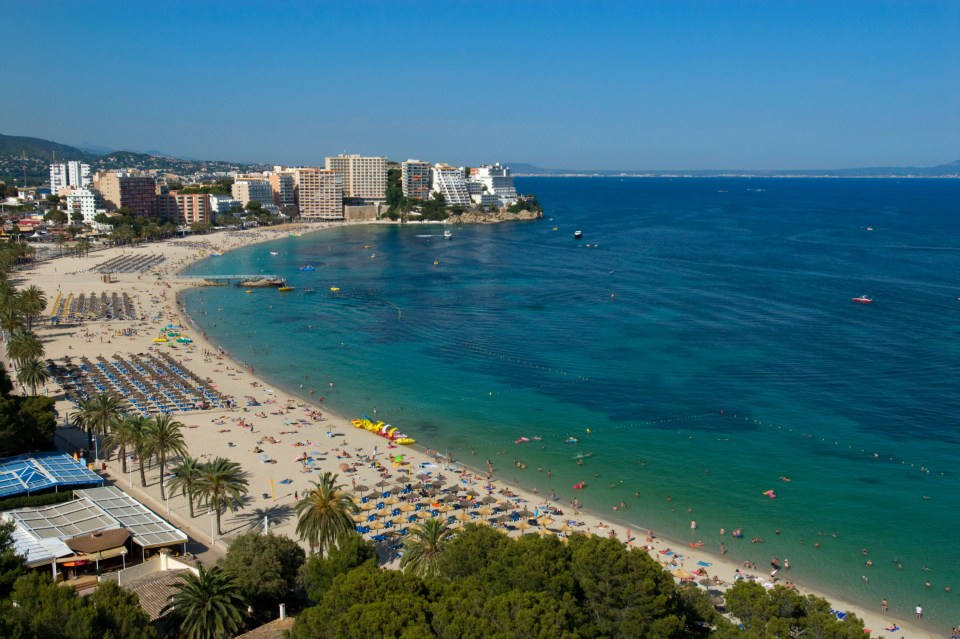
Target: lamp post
(213, 538)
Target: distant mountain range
(35, 155)
(943, 170)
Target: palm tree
(32, 373)
(122, 434)
(205, 606)
(186, 479)
(222, 484)
(423, 547)
(325, 514)
(165, 439)
(31, 301)
(96, 414)
(24, 345)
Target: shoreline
(239, 382)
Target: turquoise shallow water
(699, 343)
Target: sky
(649, 84)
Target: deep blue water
(699, 342)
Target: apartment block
(69, 174)
(495, 180)
(249, 188)
(416, 179)
(449, 181)
(82, 201)
(124, 191)
(362, 178)
(283, 185)
(319, 194)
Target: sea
(695, 359)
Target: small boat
(308, 268)
(863, 299)
(447, 235)
(216, 254)
(577, 235)
(334, 289)
(274, 253)
(285, 289)
(436, 262)
(522, 440)
(248, 291)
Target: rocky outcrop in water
(262, 282)
(475, 217)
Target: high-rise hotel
(363, 178)
(318, 193)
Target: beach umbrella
(472, 493)
(424, 514)
(382, 483)
(682, 574)
(376, 525)
(489, 499)
(368, 506)
(523, 526)
(407, 508)
(546, 521)
(565, 529)
(543, 532)
(482, 522)
(359, 518)
(446, 508)
(486, 511)
(462, 516)
(391, 500)
(525, 513)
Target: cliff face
(472, 217)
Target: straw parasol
(523, 525)
(486, 511)
(424, 514)
(407, 508)
(359, 487)
(546, 521)
(565, 529)
(376, 525)
(391, 500)
(445, 508)
(682, 574)
(463, 516)
(359, 518)
(543, 532)
(383, 483)
(368, 506)
(489, 499)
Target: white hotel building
(319, 196)
(64, 174)
(497, 181)
(449, 181)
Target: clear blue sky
(647, 84)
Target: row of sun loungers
(106, 306)
(146, 383)
(129, 263)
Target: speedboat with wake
(863, 299)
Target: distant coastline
(951, 170)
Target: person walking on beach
(883, 605)
(919, 611)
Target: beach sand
(284, 428)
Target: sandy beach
(284, 443)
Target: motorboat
(285, 289)
(274, 253)
(334, 289)
(577, 235)
(447, 235)
(863, 299)
(308, 267)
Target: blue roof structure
(29, 473)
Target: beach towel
(704, 563)
(892, 628)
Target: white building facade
(82, 201)
(496, 180)
(67, 174)
(449, 181)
